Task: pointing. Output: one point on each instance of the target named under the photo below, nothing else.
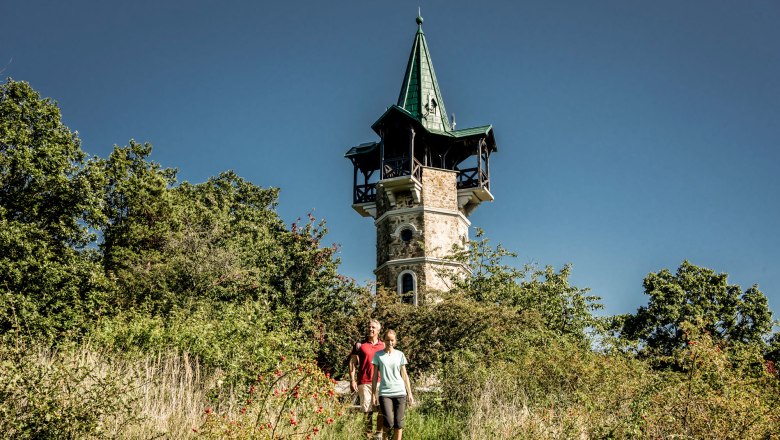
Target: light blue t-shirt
(391, 382)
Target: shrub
(67, 394)
(296, 400)
(235, 338)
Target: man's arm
(353, 361)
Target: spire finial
(419, 18)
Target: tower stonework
(420, 182)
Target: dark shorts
(393, 409)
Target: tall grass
(84, 392)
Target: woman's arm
(374, 380)
(409, 396)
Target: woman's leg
(386, 405)
(399, 408)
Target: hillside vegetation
(133, 305)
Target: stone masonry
(435, 225)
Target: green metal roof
(420, 94)
(420, 101)
(363, 148)
(471, 131)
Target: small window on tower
(407, 289)
(406, 235)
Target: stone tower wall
(437, 224)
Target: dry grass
(498, 414)
(172, 392)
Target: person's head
(373, 328)
(390, 338)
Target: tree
(699, 296)
(49, 198)
(138, 214)
(563, 308)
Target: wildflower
(209, 411)
(329, 421)
(331, 393)
(194, 430)
(283, 358)
(314, 395)
(268, 425)
(339, 413)
(315, 430)
(251, 389)
(260, 377)
(248, 401)
(243, 410)
(278, 373)
(319, 410)
(691, 342)
(293, 422)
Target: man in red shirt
(360, 362)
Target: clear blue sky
(632, 135)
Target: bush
(238, 338)
(296, 400)
(62, 394)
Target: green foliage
(49, 195)
(697, 295)
(711, 396)
(237, 338)
(209, 270)
(61, 395)
(293, 400)
(563, 308)
(430, 334)
(44, 180)
(138, 223)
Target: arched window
(407, 287)
(404, 231)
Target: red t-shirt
(365, 352)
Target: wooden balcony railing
(473, 178)
(365, 193)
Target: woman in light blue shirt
(393, 388)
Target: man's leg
(369, 425)
(380, 423)
(364, 391)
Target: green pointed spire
(420, 93)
